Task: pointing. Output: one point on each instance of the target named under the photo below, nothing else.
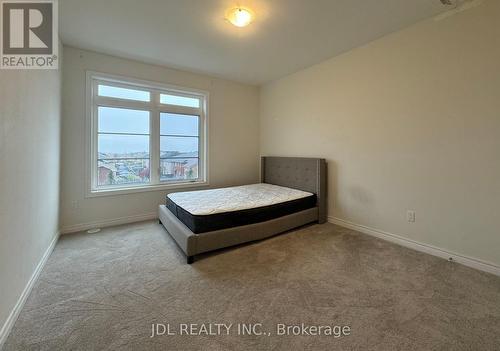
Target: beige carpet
(103, 292)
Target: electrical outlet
(410, 216)
(74, 204)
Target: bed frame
(307, 174)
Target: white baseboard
(9, 323)
(108, 223)
(412, 244)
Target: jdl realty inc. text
(258, 329)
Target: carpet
(107, 291)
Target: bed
(292, 193)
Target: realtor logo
(29, 34)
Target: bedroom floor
(104, 291)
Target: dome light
(240, 17)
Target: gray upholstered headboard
(308, 174)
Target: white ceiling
(287, 35)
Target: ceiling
(286, 36)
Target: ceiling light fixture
(239, 16)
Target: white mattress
(206, 202)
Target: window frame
(94, 101)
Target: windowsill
(144, 188)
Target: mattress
(207, 210)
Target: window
(122, 146)
(180, 100)
(144, 136)
(179, 146)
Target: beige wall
(29, 176)
(234, 149)
(410, 121)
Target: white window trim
(92, 100)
